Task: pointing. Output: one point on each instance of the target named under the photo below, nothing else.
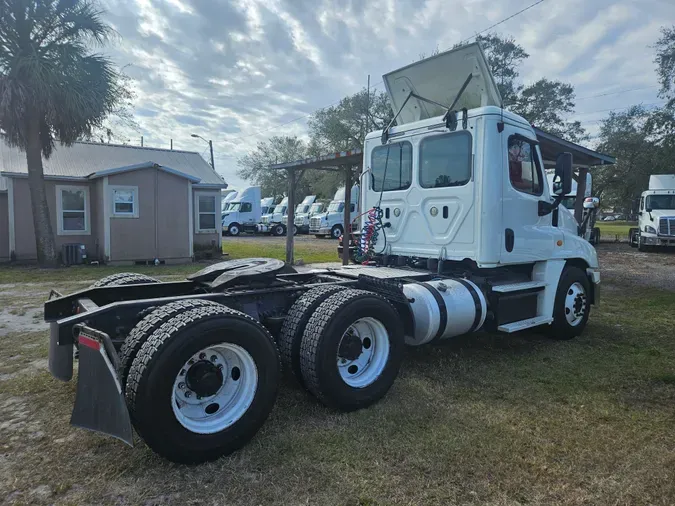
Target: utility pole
(171, 144)
(213, 166)
(141, 141)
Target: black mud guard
(243, 267)
(99, 402)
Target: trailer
(461, 235)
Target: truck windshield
(336, 207)
(657, 202)
(301, 208)
(234, 206)
(569, 202)
(316, 208)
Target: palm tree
(53, 87)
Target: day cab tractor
(656, 215)
(468, 240)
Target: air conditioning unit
(74, 254)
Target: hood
(440, 78)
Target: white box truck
(330, 222)
(270, 223)
(468, 239)
(656, 215)
(243, 211)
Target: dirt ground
(482, 420)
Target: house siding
(24, 233)
(161, 228)
(4, 228)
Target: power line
(534, 4)
(617, 108)
(616, 92)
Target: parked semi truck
(301, 209)
(270, 223)
(656, 215)
(302, 219)
(330, 223)
(265, 205)
(243, 211)
(587, 228)
(468, 239)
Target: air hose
(365, 249)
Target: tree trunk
(44, 236)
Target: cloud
(227, 70)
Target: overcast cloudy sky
(238, 71)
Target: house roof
(87, 159)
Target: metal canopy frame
(343, 160)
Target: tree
(53, 88)
(255, 165)
(544, 104)
(504, 56)
(665, 64)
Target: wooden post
(346, 225)
(581, 191)
(291, 216)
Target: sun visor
(440, 79)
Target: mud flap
(99, 402)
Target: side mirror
(591, 203)
(562, 181)
(649, 209)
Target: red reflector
(89, 342)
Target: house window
(206, 213)
(524, 170)
(72, 204)
(124, 201)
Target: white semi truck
(461, 235)
(242, 212)
(330, 222)
(270, 223)
(265, 205)
(656, 215)
(588, 230)
(302, 209)
(302, 219)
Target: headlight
(650, 229)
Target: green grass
(481, 420)
(312, 251)
(611, 229)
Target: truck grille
(315, 223)
(667, 226)
(299, 220)
(265, 219)
(284, 220)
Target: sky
(240, 71)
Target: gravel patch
(622, 265)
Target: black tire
(561, 328)
(234, 229)
(295, 230)
(124, 278)
(278, 230)
(144, 329)
(150, 383)
(336, 231)
(290, 337)
(322, 337)
(633, 237)
(642, 247)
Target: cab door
(527, 237)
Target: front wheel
(278, 230)
(633, 237)
(336, 231)
(234, 229)
(203, 384)
(572, 304)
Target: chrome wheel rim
(336, 233)
(575, 304)
(234, 230)
(363, 352)
(205, 401)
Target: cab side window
(524, 170)
(642, 203)
(246, 207)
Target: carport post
(291, 216)
(581, 191)
(346, 225)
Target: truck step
(518, 287)
(524, 324)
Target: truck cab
(302, 219)
(301, 210)
(265, 205)
(242, 212)
(656, 214)
(330, 222)
(270, 223)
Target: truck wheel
(203, 384)
(290, 338)
(295, 230)
(278, 230)
(143, 329)
(234, 229)
(336, 231)
(572, 306)
(352, 348)
(633, 237)
(124, 278)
